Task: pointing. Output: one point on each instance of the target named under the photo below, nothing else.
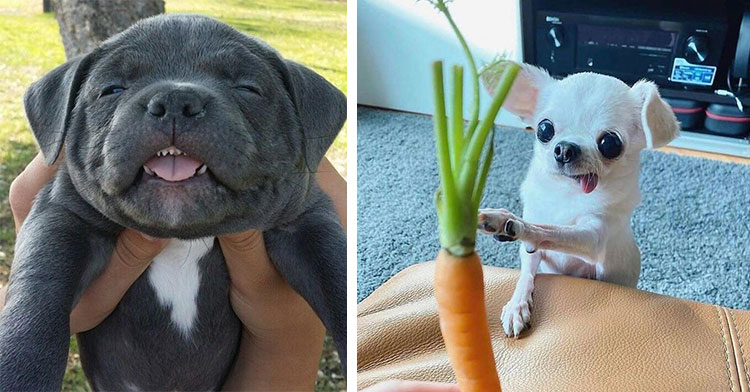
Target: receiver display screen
(623, 37)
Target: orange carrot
(463, 169)
(459, 287)
(459, 290)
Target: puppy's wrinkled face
(184, 127)
(588, 129)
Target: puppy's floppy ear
(49, 102)
(321, 108)
(523, 96)
(657, 119)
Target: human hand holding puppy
(133, 252)
(273, 315)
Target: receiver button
(555, 36)
(696, 49)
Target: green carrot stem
(441, 133)
(459, 149)
(457, 122)
(446, 199)
(476, 198)
(474, 120)
(474, 148)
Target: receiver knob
(696, 49)
(555, 36)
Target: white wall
(397, 40)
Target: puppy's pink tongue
(173, 168)
(588, 182)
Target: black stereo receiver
(697, 51)
(683, 44)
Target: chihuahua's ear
(657, 119)
(524, 94)
(50, 101)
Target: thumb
(247, 261)
(136, 250)
(132, 255)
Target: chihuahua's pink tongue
(588, 182)
(173, 168)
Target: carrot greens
(462, 166)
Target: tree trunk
(84, 24)
(46, 6)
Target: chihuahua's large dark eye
(109, 90)
(545, 131)
(610, 145)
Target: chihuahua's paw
(516, 315)
(500, 223)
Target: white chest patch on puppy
(175, 276)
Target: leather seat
(585, 336)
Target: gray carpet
(693, 226)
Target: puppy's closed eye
(111, 90)
(249, 89)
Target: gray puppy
(179, 127)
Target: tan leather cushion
(585, 335)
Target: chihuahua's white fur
(564, 230)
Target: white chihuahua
(582, 184)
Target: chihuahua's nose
(567, 152)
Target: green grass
(312, 32)
(31, 47)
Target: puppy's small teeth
(147, 170)
(171, 150)
(201, 169)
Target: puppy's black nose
(567, 152)
(177, 102)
